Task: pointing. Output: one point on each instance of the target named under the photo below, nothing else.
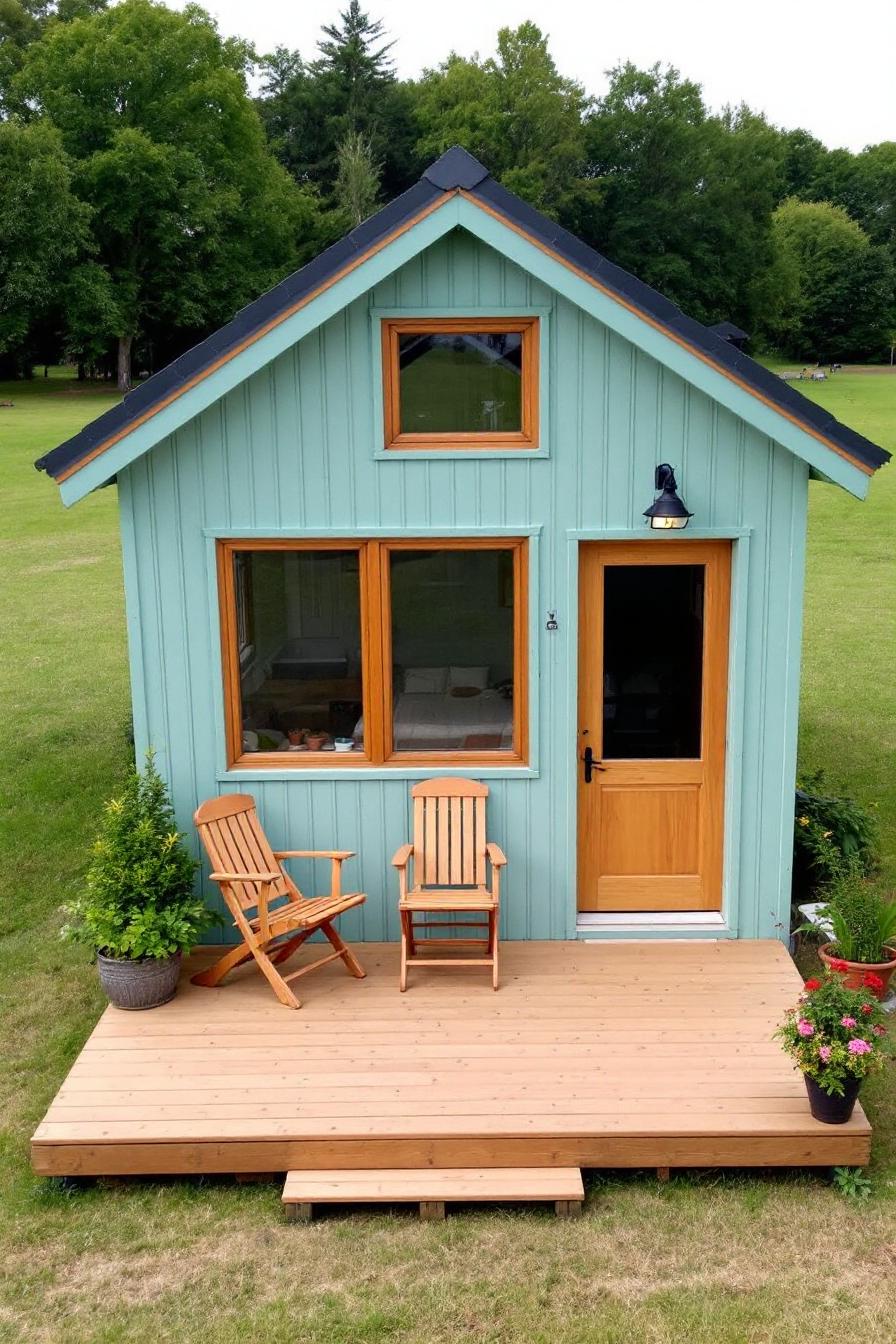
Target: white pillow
(468, 676)
(431, 680)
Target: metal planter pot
(136, 985)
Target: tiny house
(461, 496)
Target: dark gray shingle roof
(456, 170)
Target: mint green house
(390, 523)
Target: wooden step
(432, 1188)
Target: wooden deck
(590, 1055)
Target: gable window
(405, 651)
(460, 382)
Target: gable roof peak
(456, 168)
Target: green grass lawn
(848, 707)
(707, 1258)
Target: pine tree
(353, 61)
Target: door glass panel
(653, 661)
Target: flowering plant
(835, 1034)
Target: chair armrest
(401, 857)
(245, 877)
(314, 853)
(496, 855)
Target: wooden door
(653, 695)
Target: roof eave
(829, 447)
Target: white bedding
(431, 721)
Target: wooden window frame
(525, 438)
(376, 655)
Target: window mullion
(373, 672)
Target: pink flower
(847, 1021)
(859, 1047)
(879, 1031)
(824, 1053)
(805, 1028)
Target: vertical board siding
(293, 449)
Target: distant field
(848, 706)
(708, 1258)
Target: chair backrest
(235, 843)
(449, 833)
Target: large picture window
(460, 382)
(374, 652)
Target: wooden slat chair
(270, 912)
(450, 859)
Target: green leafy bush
(139, 900)
(848, 828)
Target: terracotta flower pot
(854, 975)
(830, 1109)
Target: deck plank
(548, 1072)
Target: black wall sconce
(667, 510)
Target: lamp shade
(668, 510)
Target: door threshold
(700, 923)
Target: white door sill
(699, 922)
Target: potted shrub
(863, 922)
(138, 909)
(835, 1036)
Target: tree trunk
(124, 363)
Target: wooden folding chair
(450, 855)
(270, 912)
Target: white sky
(826, 65)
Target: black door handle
(590, 764)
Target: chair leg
(276, 982)
(493, 940)
(403, 973)
(352, 964)
(216, 973)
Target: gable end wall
(291, 451)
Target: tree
(843, 302)
(23, 22)
(191, 216)
(685, 197)
(43, 229)
(354, 61)
(310, 110)
(357, 181)
(515, 112)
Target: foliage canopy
(187, 198)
